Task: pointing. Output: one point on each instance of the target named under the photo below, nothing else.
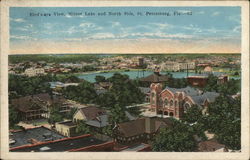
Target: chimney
(149, 126)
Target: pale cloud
(73, 39)
(235, 18)
(115, 24)
(49, 26)
(27, 27)
(87, 24)
(192, 28)
(20, 37)
(102, 36)
(18, 20)
(237, 29)
(215, 13)
(160, 26)
(68, 16)
(150, 35)
(201, 12)
(184, 11)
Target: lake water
(136, 74)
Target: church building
(175, 101)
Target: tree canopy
(55, 115)
(14, 116)
(82, 128)
(99, 79)
(224, 120)
(24, 86)
(178, 138)
(83, 93)
(193, 114)
(231, 87)
(123, 92)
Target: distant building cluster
(34, 72)
(123, 62)
(177, 66)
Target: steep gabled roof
(91, 112)
(138, 126)
(132, 128)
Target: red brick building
(197, 81)
(175, 101)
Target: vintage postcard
(124, 80)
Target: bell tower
(156, 89)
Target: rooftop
(62, 145)
(142, 125)
(136, 147)
(35, 102)
(67, 123)
(39, 134)
(91, 112)
(155, 77)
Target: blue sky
(206, 27)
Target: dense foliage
(70, 114)
(99, 79)
(123, 92)
(55, 115)
(224, 120)
(22, 86)
(14, 116)
(53, 58)
(83, 93)
(117, 114)
(231, 87)
(193, 114)
(82, 128)
(178, 138)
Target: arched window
(166, 102)
(186, 106)
(161, 102)
(171, 103)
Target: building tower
(156, 89)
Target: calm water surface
(136, 74)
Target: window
(186, 106)
(166, 102)
(161, 102)
(171, 103)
